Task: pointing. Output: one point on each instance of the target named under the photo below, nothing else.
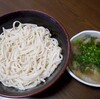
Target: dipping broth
(86, 58)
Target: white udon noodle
(28, 55)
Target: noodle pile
(28, 55)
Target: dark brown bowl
(57, 31)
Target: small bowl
(92, 33)
(57, 31)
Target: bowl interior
(74, 38)
(57, 32)
(86, 32)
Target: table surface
(76, 16)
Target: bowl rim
(69, 70)
(67, 59)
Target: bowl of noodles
(85, 64)
(34, 52)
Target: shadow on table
(55, 88)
